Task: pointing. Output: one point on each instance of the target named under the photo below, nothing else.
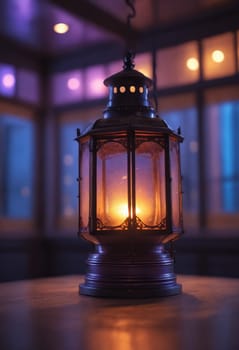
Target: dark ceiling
(30, 22)
(27, 25)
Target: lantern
(130, 193)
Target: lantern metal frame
(130, 259)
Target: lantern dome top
(128, 74)
(128, 106)
(128, 92)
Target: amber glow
(218, 56)
(122, 89)
(61, 28)
(121, 212)
(144, 68)
(113, 196)
(192, 64)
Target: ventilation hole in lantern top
(115, 90)
(132, 89)
(141, 89)
(122, 89)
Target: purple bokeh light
(7, 80)
(73, 83)
(94, 77)
(67, 87)
(79, 85)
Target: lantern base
(133, 292)
(130, 276)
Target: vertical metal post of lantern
(130, 194)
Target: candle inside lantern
(121, 212)
(112, 181)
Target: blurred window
(67, 87)
(16, 168)
(94, 82)
(69, 122)
(222, 162)
(180, 112)
(218, 56)
(27, 86)
(178, 65)
(69, 170)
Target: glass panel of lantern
(112, 189)
(150, 183)
(84, 186)
(175, 187)
(130, 184)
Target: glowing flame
(123, 211)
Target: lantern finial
(129, 61)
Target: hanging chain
(132, 14)
(130, 4)
(128, 61)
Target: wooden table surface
(49, 314)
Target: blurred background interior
(51, 82)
